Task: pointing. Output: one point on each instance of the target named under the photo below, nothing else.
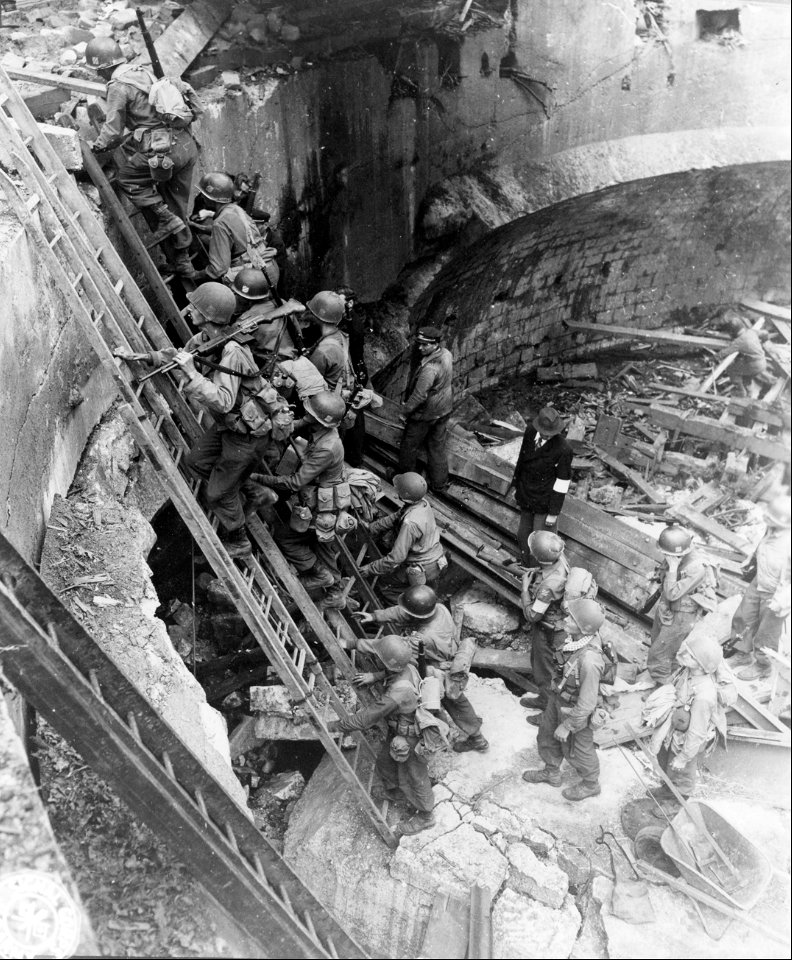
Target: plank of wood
(756, 409)
(515, 678)
(87, 87)
(706, 428)
(724, 365)
(480, 927)
(634, 478)
(749, 708)
(447, 929)
(711, 527)
(774, 738)
(769, 309)
(185, 38)
(566, 371)
(489, 658)
(655, 336)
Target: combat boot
(549, 775)
(754, 671)
(533, 703)
(334, 598)
(416, 823)
(535, 719)
(166, 224)
(317, 578)
(391, 794)
(236, 543)
(257, 496)
(579, 791)
(182, 264)
(476, 742)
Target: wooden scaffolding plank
(189, 33)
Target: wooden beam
(656, 336)
(480, 929)
(711, 527)
(446, 934)
(87, 87)
(634, 478)
(768, 309)
(724, 365)
(179, 44)
(706, 428)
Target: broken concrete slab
(283, 787)
(484, 613)
(523, 929)
(540, 880)
(575, 863)
(277, 718)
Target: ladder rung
(300, 663)
(132, 724)
(27, 140)
(199, 799)
(32, 201)
(94, 681)
(52, 177)
(166, 762)
(119, 284)
(56, 239)
(231, 837)
(3, 98)
(77, 280)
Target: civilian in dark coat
(542, 476)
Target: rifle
(156, 66)
(250, 201)
(272, 291)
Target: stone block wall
(648, 253)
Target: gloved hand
(266, 479)
(363, 679)
(365, 570)
(561, 732)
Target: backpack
(174, 101)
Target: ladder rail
(146, 762)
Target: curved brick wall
(642, 253)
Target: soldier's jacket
(773, 564)
(580, 683)
(128, 106)
(693, 577)
(221, 393)
(322, 464)
(438, 632)
(430, 388)
(330, 356)
(542, 596)
(417, 540)
(268, 333)
(751, 359)
(228, 242)
(397, 703)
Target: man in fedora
(542, 477)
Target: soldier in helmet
(565, 732)
(253, 289)
(233, 232)
(163, 203)
(416, 556)
(423, 620)
(542, 598)
(273, 238)
(330, 353)
(759, 621)
(233, 446)
(427, 409)
(687, 592)
(315, 486)
(403, 771)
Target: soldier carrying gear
(751, 362)
(703, 691)
(687, 592)
(158, 157)
(542, 598)
(330, 353)
(235, 241)
(320, 494)
(273, 238)
(759, 621)
(542, 476)
(416, 556)
(233, 446)
(402, 770)
(427, 409)
(253, 288)
(423, 620)
(566, 730)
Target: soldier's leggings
(579, 748)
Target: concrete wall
(646, 252)
(348, 158)
(46, 367)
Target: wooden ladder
(113, 313)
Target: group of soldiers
(270, 371)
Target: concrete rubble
(485, 614)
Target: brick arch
(644, 252)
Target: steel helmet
(217, 186)
(214, 301)
(326, 407)
(546, 546)
(410, 487)
(675, 540)
(327, 307)
(587, 614)
(778, 513)
(419, 601)
(705, 650)
(394, 652)
(251, 283)
(103, 52)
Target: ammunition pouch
(403, 728)
(301, 516)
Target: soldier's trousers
(431, 435)
(666, 640)
(411, 777)
(134, 178)
(225, 459)
(579, 748)
(462, 713)
(304, 551)
(685, 779)
(755, 626)
(543, 663)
